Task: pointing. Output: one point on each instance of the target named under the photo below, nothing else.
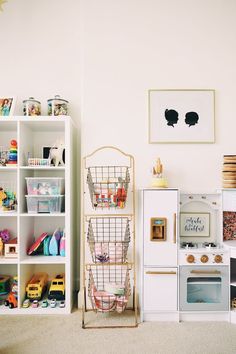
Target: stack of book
(229, 171)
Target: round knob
(190, 258)
(218, 258)
(204, 258)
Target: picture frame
(7, 105)
(181, 116)
(194, 224)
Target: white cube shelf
(32, 134)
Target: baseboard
(204, 316)
(160, 317)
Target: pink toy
(5, 235)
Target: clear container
(48, 204)
(45, 185)
(31, 107)
(57, 106)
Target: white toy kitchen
(185, 263)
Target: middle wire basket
(108, 186)
(109, 287)
(108, 239)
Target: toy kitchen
(185, 266)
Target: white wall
(40, 57)
(39, 53)
(126, 47)
(130, 46)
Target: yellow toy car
(57, 288)
(37, 286)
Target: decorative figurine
(157, 179)
(56, 154)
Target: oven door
(204, 288)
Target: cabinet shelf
(43, 260)
(42, 168)
(8, 168)
(8, 214)
(8, 260)
(43, 215)
(32, 134)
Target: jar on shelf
(31, 107)
(57, 106)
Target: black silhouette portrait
(171, 116)
(191, 118)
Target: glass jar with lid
(57, 106)
(31, 107)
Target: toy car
(62, 304)
(53, 303)
(57, 288)
(45, 303)
(35, 303)
(26, 303)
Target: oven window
(204, 290)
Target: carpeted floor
(63, 334)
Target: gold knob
(190, 258)
(204, 258)
(218, 258)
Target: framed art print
(7, 105)
(195, 224)
(181, 116)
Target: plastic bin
(45, 204)
(45, 185)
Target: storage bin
(45, 185)
(108, 186)
(45, 204)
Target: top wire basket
(108, 186)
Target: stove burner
(188, 245)
(209, 245)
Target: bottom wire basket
(109, 287)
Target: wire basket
(108, 186)
(109, 287)
(109, 239)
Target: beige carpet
(63, 334)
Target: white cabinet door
(160, 204)
(160, 289)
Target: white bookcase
(32, 133)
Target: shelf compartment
(34, 135)
(109, 287)
(9, 270)
(10, 255)
(27, 272)
(108, 239)
(108, 186)
(8, 191)
(31, 228)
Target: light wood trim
(174, 231)
(131, 158)
(205, 272)
(161, 273)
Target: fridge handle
(174, 230)
(161, 272)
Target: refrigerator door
(160, 208)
